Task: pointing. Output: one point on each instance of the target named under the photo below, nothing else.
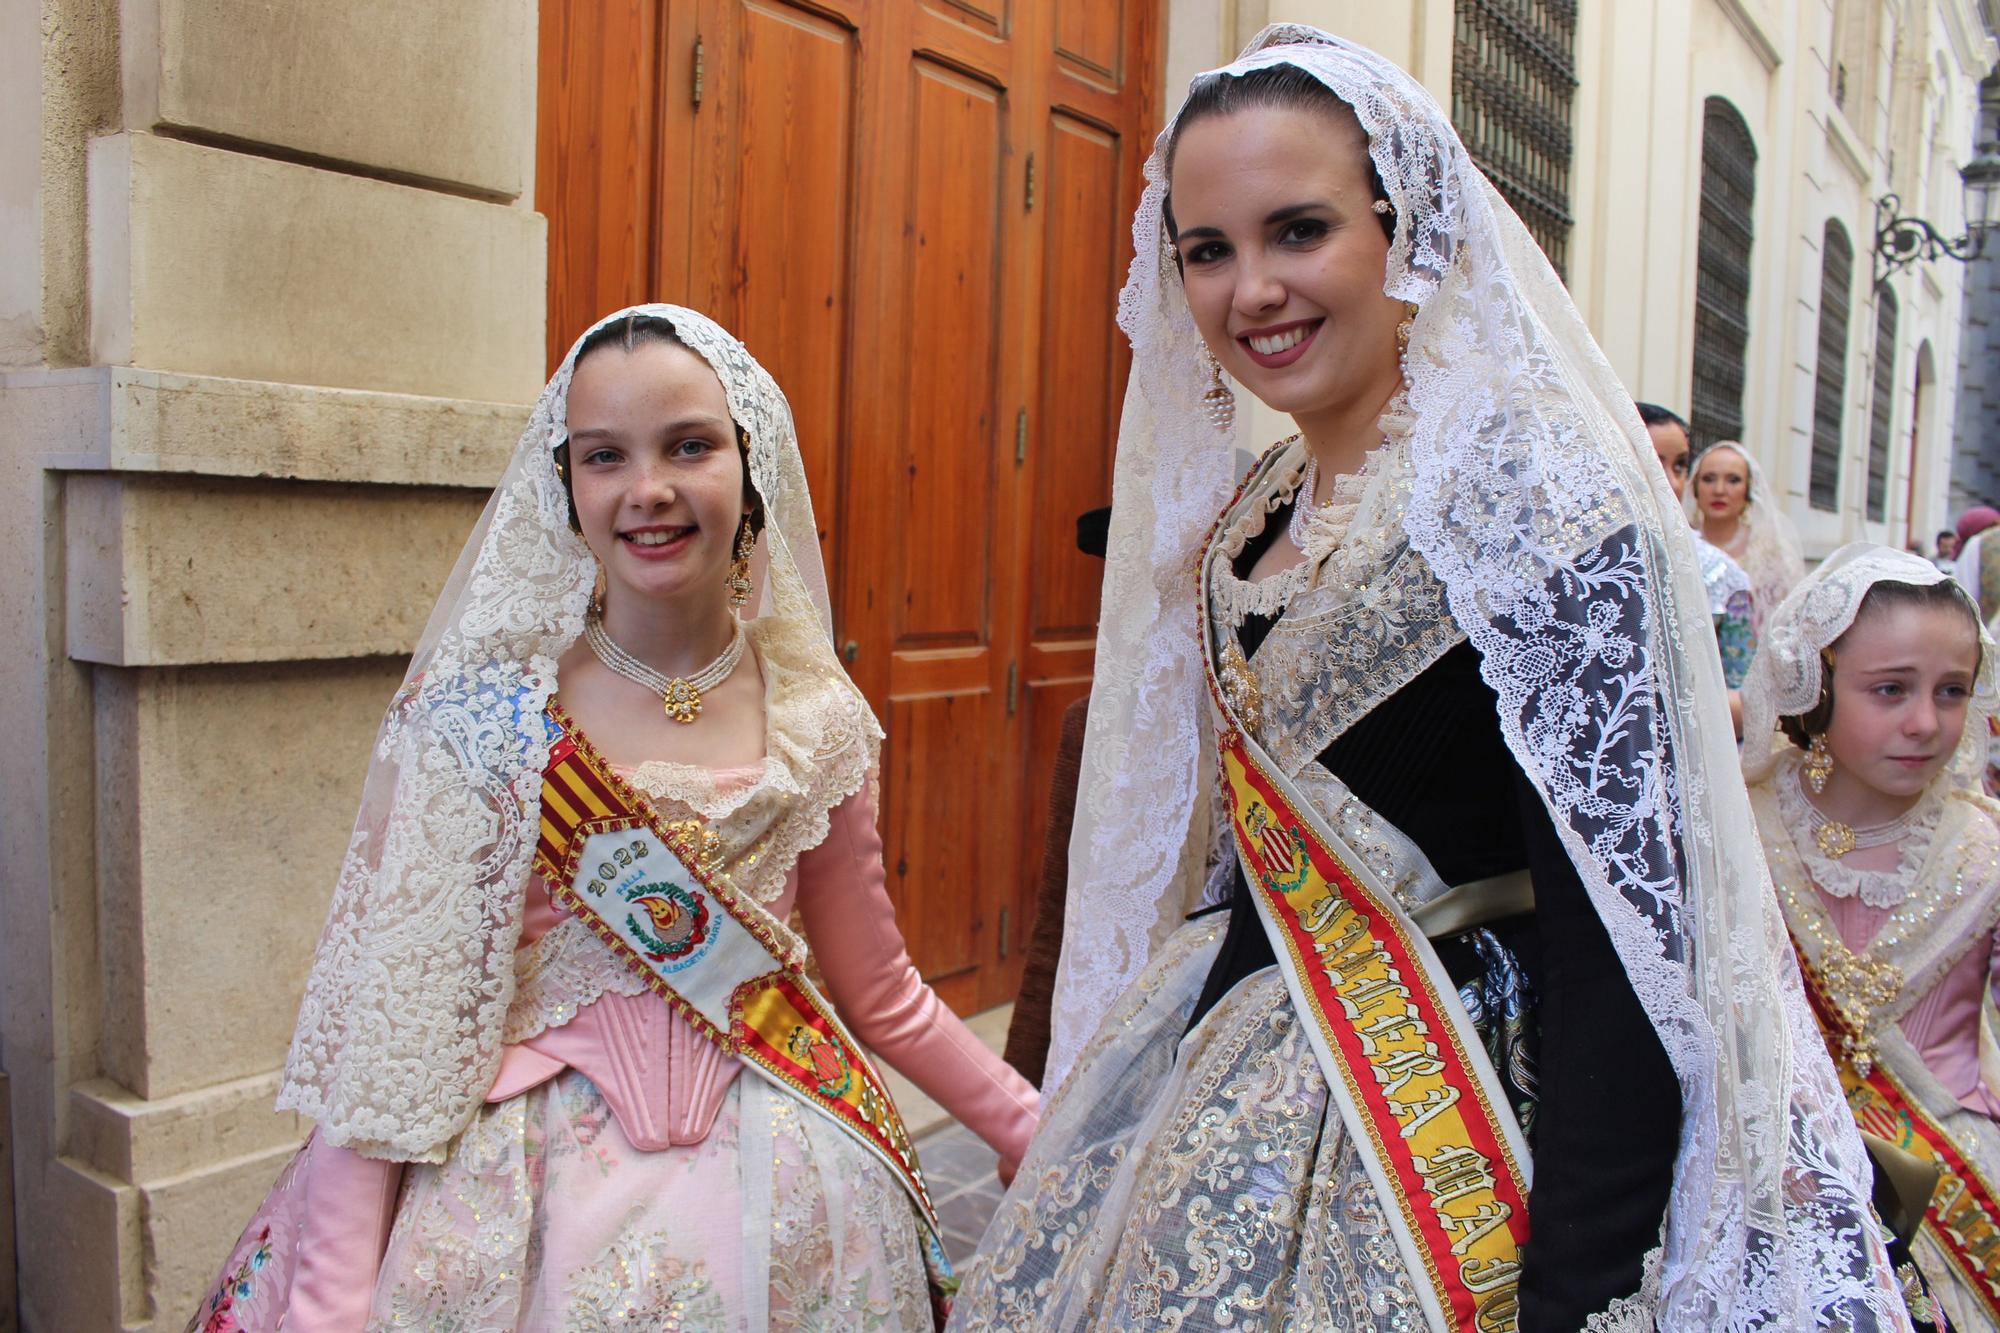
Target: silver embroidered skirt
(1191, 1183)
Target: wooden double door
(916, 214)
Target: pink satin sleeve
(851, 927)
(348, 1205)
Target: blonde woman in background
(1733, 505)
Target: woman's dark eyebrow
(1290, 211)
(1271, 219)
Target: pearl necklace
(680, 695)
(1836, 839)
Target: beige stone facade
(279, 319)
(271, 309)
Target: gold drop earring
(1403, 331)
(1220, 401)
(738, 582)
(1819, 763)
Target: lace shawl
(400, 1031)
(1537, 504)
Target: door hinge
(1003, 930)
(1031, 182)
(1013, 687)
(699, 69)
(1020, 437)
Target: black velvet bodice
(1431, 760)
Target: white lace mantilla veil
(1540, 505)
(1785, 676)
(399, 1035)
(1772, 557)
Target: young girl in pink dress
(537, 1105)
(1865, 717)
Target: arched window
(1722, 274)
(1882, 404)
(1513, 77)
(1836, 273)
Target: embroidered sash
(1964, 1214)
(1399, 1052)
(650, 889)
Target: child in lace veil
(566, 1061)
(1865, 719)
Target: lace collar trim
(1329, 527)
(1877, 888)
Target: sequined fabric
(1204, 1183)
(543, 1217)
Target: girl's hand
(1008, 1166)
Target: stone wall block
(185, 423)
(130, 1138)
(99, 1227)
(246, 782)
(171, 570)
(191, 1224)
(211, 262)
(123, 419)
(440, 93)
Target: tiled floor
(957, 1165)
(960, 1171)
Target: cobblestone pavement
(960, 1171)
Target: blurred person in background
(1977, 562)
(1733, 506)
(1730, 599)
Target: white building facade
(1726, 159)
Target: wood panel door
(915, 213)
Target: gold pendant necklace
(1836, 839)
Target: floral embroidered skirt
(1196, 1183)
(544, 1216)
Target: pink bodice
(665, 1082)
(1944, 1024)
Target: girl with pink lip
(1731, 502)
(1865, 720)
(568, 1063)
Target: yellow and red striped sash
(650, 889)
(1399, 1053)
(1964, 1213)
